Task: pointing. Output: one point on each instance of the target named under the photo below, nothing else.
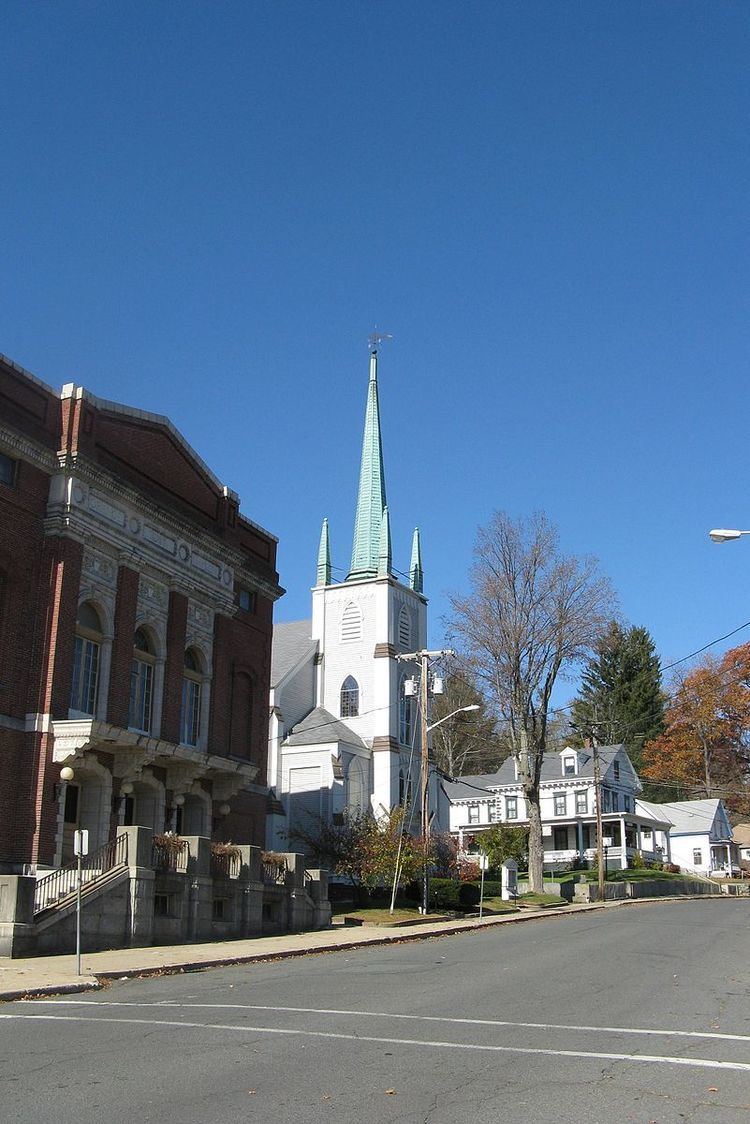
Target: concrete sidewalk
(56, 975)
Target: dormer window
(569, 766)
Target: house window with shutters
(351, 623)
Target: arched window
(405, 715)
(351, 623)
(356, 788)
(404, 627)
(142, 681)
(86, 660)
(349, 698)
(190, 715)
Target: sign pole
(80, 848)
(78, 917)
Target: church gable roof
(291, 639)
(320, 728)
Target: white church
(343, 724)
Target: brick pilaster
(126, 604)
(173, 668)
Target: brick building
(135, 631)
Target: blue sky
(206, 207)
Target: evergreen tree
(621, 697)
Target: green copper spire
(371, 497)
(384, 552)
(324, 557)
(416, 574)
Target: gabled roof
(690, 817)
(468, 788)
(320, 728)
(291, 639)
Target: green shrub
(444, 893)
(492, 888)
(468, 895)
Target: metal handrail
(62, 882)
(172, 857)
(274, 873)
(227, 865)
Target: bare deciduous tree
(468, 743)
(532, 613)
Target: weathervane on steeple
(376, 338)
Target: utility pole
(424, 777)
(598, 797)
(424, 658)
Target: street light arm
(725, 534)
(453, 713)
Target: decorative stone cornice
(22, 447)
(84, 498)
(73, 738)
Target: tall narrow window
(349, 698)
(86, 660)
(190, 716)
(405, 715)
(142, 682)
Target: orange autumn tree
(705, 747)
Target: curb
(405, 936)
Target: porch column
(579, 838)
(623, 846)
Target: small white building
(568, 807)
(700, 836)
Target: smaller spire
(324, 557)
(384, 552)
(416, 573)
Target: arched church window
(142, 681)
(349, 697)
(86, 660)
(356, 789)
(404, 627)
(405, 715)
(351, 623)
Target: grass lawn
(497, 905)
(541, 899)
(632, 875)
(375, 916)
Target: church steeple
(324, 557)
(384, 552)
(371, 499)
(416, 573)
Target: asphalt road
(635, 1014)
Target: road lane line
(388, 1015)
(654, 1059)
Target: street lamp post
(424, 659)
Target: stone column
(17, 930)
(140, 927)
(201, 899)
(251, 892)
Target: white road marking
(391, 1015)
(658, 1059)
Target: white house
(343, 722)
(568, 807)
(700, 836)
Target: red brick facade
(106, 507)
